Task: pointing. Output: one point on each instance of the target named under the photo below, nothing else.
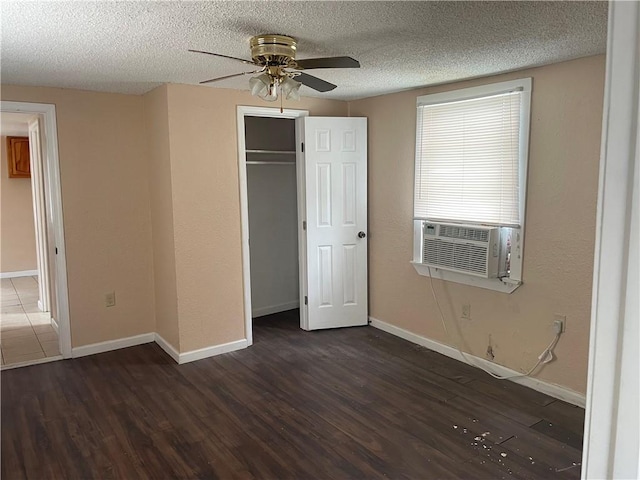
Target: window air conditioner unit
(468, 249)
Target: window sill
(496, 284)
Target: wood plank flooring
(348, 403)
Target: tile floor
(26, 332)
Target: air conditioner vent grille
(462, 257)
(464, 233)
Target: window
(471, 164)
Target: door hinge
(302, 147)
(306, 300)
(304, 224)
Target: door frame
(40, 216)
(51, 170)
(611, 438)
(249, 111)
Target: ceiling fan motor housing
(273, 49)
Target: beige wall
(206, 208)
(151, 210)
(18, 240)
(151, 206)
(566, 117)
(156, 116)
(105, 197)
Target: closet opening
(270, 218)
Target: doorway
(330, 225)
(269, 212)
(34, 317)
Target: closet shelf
(268, 162)
(286, 152)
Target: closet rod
(267, 162)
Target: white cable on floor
(545, 353)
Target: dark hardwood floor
(349, 403)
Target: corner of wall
(156, 115)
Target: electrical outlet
(559, 323)
(466, 311)
(110, 299)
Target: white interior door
(333, 165)
(39, 212)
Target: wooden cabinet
(18, 157)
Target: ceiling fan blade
(328, 62)
(224, 56)
(314, 82)
(229, 76)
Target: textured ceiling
(131, 47)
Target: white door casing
(39, 212)
(334, 244)
(49, 144)
(611, 435)
(243, 111)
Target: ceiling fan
(278, 69)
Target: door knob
(361, 234)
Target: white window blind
(467, 160)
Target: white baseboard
(54, 325)
(167, 347)
(110, 345)
(201, 353)
(550, 389)
(23, 273)
(283, 307)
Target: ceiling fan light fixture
(259, 85)
(290, 89)
(264, 86)
(271, 95)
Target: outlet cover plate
(110, 299)
(562, 319)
